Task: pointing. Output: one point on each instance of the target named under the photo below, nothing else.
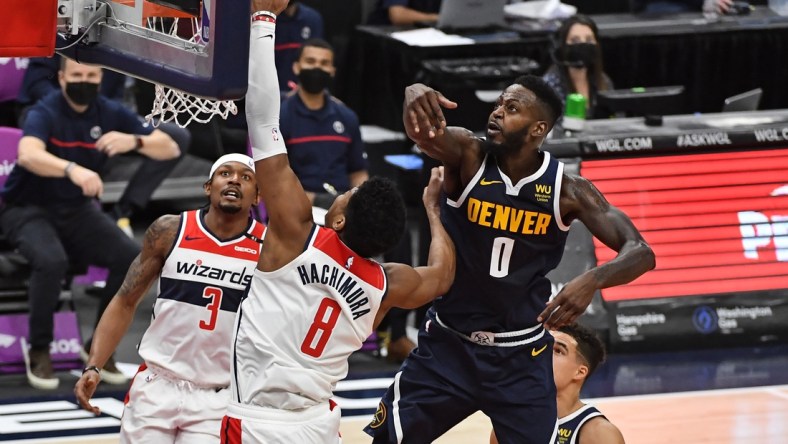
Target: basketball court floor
(720, 396)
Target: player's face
(233, 188)
(514, 120)
(580, 33)
(566, 362)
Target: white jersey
(200, 288)
(299, 324)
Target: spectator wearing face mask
(321, 133)
(577, 64)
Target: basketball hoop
(171, 104)
(174, 105)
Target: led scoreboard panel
(718, 222)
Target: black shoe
(38, 365)
(110, 372)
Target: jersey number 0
(325, 320)
(501, 255)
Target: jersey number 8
(322, 325)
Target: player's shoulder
(599, 430)
(163, 231)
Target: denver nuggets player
(577, 353)
(204, 261)
(508, 210)
(315, 296)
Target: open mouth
(232, 194)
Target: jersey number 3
(215, 294)
(325, 320)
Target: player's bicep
(289, 209)
(147, 266)
(606, 222)
(411, 287)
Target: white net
(183, 108)
(170, 104)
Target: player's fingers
(446, 103)
(414, 120)
(438, 121)
(548, 310)
(424, 119)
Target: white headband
(233, 157)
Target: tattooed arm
(120, 312)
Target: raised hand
(275, 6)
(423, 110)
(432, 191)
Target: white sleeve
(262, 96)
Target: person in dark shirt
(577, 353)
(404, 12)
(41, 79)
(295, 25)
(577, 64)
(49, 209)
(322, 135)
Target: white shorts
(161, 410)
(252, 425)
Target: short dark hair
(374, 217)
(545, 95)
(315, 43)
(589, 346)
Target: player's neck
(313, 102)
(520, 164)
(568, 401)
(225, 225)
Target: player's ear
(540, 129)
(337, 223)
(581, 372)
(206, 187)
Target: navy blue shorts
(448, 378)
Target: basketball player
(204, 261)
(509, 207)
(577, 352)
(315, 296)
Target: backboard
(209, 61)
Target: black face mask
(82, 93)
(581, 55)
(314, 80)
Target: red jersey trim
(297, 140)
(74, 144)
(195, 238)
(368, 271)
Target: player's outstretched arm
(413, 287)
(580, 199)
(289, 209)
(120, 312)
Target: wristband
(138, 144)
(264, 16)
(93, 368)
(67, 171)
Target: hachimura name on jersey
(344, 283)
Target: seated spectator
(673, 6)
(49, 210)
(577, 64)
(41, 79)
(295, 25)
(405, 12)
(322, 134)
